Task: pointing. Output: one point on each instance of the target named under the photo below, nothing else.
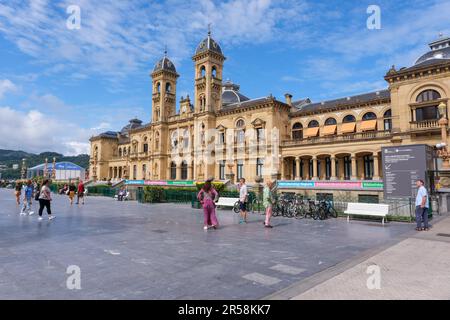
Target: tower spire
(165, 51)
(209, 29)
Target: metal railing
(351, 137)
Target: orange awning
(329, 130)
(311, 132)
(348, 127)
(369, 125)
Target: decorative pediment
(258, 123)
(221, 128)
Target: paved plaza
(127, 250)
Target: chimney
(288, 97)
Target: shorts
(243, 206)
(71, 194)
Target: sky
(60, 85)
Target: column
(333, 168)
(314, 177)
(283, 169)
(168, 173)
(376, 166)
(297, 168)
(306, 169)
(178, 172)
(189, 172)
(354, 177)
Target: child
(207, 196)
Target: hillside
(11, 157)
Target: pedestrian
(422, 205)
(72, 189)
(243, 198)
(80, 192)
(45, 199)
(207, 197)
(27, 199)
(268, 202)
(18, 192)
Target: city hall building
(220, 132)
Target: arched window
(387, 120)
(173, 171)
(202, 71)
(240, 131)
(297, 131)
(158, 87)
(313, 124)
(184, 170)
(145, 145)
(369, 116)
(214, 72)
(428, 95)
(144, 171)
(186, 138)
(330, 122)
(168, 87)
(157, 141)
(430, 110)
(120, 152)
(174, 139)
(349, 118)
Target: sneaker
(268, 226)
(22, 213)
(31, 213)
(205, 228)
(241, 221)
(51, 217)
(40, 218)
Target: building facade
(221, 133)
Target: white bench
(367, 209)
(226, 202)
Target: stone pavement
(416, 268)
(127, 250)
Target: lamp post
(24, 169)
(442, 148)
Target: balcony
(424, 125)
(352, 137)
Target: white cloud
(33, 131)
(6, 86)
(120, 37)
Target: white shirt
(422, 192)
(243, 193)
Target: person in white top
(243, 198)
(45, 199)
(422, 205)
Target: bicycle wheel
(332, 212)
(236, 207)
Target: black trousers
(44, 203)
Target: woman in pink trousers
(207, 196)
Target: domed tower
(164, 84)
(208, 61)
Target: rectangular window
(145, 147)
(222, 138)
(427, 113)
(311, 169)
(134, 172)
(367, 198)
(327, 168)
(240, 170)
(260, 134)
(222, 170)
(368, 167)
(347, 168)
(259, 167)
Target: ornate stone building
(222, 133)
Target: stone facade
(224, 134)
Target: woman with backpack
(207, 197)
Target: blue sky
(60, 86)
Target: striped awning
(311, 132)
(329, 130)
(348, 127)
(369, 125)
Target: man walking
(243, 198)
(27, 202)
(422, 205)
(80, 192)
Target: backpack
(36, 197)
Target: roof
(332, 104)
(245, 104)
(231, 94)
(59, 166)
(133, 124)
(165, 64)
(208, 44)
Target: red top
(81, 188)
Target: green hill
(10, 157)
